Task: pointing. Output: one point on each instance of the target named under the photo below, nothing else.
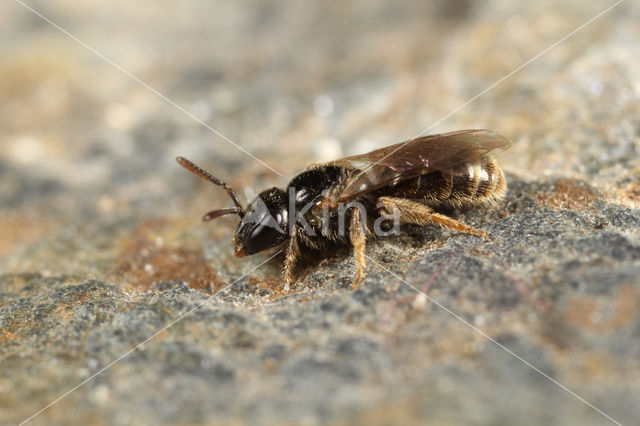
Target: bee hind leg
(411, 212)
(358, 237)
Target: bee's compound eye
(263, 226)
(264, 236)
(254, 237)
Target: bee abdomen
(466, 185)
(494, 186)
(477, 183)
(433, 187)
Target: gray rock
(116, 299)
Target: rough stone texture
(102, 246)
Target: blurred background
(292, 84)
(91, 120)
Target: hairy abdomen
(466, 185)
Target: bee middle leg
(412, 212)
(358, 239)
(292, 253)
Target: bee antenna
(214, 180)
(214, 214)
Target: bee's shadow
(315, 267)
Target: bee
(344, 201)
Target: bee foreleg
(411, 212)
(358, 240)
(292, 253)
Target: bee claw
(357, 281)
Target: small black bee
(343, 201)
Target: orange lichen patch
(267, 283)
(630, 195)
(80, 298)
(147, 259)
(17, 231)
(567, 195)
(273, 284)
(143, 266)
(603, 316)
(5, 336)
(596, 365)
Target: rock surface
(102, 248)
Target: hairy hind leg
(358, 240)
(411, 212)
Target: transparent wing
(395, 163)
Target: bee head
(264, 223)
